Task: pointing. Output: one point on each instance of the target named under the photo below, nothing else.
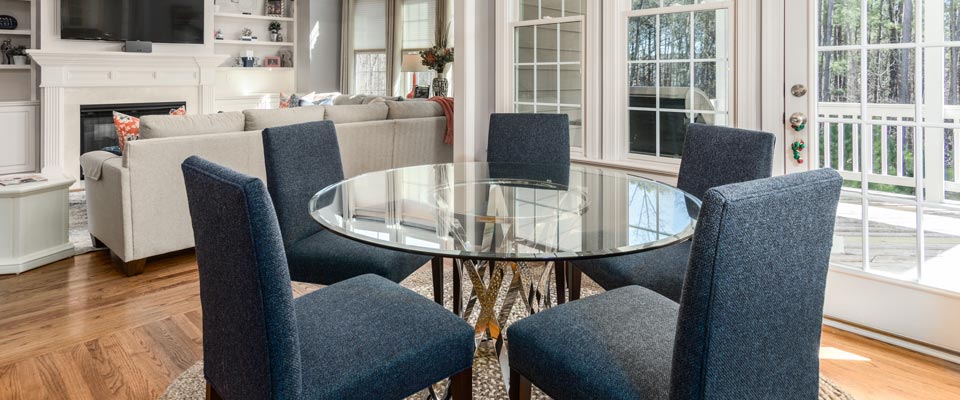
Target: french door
(878, 84)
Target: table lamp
(412, 64)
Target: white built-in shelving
(231, 19)
(19, 107)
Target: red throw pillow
(128, 127)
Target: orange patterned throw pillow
(128, 128)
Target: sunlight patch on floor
(833, 353)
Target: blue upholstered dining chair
(364, 337)
(300, 161)
(529, 138)
(748, 323)
(712, 156)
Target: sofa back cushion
(356, 113)
(258, 120)
(164, 126)
(413, 109)
(357, 99)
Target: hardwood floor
(79, 329)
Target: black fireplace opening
(97, 130)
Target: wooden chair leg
(576, 276)
(520, 388)
(437, 264)
(212, 394)
(129, 268)
(560, 271)
(457, 288)
(461, 385)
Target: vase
(19, 60)
(273, 37)
(440, 87)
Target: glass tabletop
(508, 212)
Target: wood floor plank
(78, 329)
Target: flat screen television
(159, 21)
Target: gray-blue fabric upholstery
(300, 161)
(529, 138)
(749, 319)
(363, 338)
(712, 156)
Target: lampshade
(412, 63)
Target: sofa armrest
(92, 163)
(108, 206)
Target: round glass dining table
(497, 220)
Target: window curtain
(346, 46)
(394, 47)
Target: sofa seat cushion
(327, 258)
(258, 120)
(165, 126)
(360, 333)
(413, 109)
(356, 113)
(614, 345)
(661, 270)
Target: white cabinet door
(18, 139)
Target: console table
(34, 224)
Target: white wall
(474, 76)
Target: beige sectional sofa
(137, 203)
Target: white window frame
(508, 20)
(616, 89)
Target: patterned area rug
(79, 233)
(487, 378)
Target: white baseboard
(906, 344)
(36, 260)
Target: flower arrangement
(275, 26)
(437, 57)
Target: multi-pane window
(888, 112)
(419, 33)
(369, 45)
(678, 72)
(548, 61)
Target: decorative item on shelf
(437, 58)
(5, 49)
(246, 34)
(19, 55)
(798, 147)
(276, 8)
(219, 34)
(275, 28)
(7, 22)
(286, 58)
(421, 92)
(271, 62)
(248, 61)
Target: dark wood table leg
(457, 287)
(437, 264)
(575, 278)
(560, 271)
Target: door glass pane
(839, 22)
(941, 240)
(893, 240)
(890, 80)
(848, 233)
(839, 76)
(891, 21)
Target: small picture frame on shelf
(271, 62)
(421, 92)
(276, 8)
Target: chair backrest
(529, 138)
(716, 156)
(251, 349)
(752, 303)
(300, 161)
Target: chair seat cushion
(661, 270)
(614, 345)
(327, 258)
(368, 337)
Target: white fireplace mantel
(61, 70)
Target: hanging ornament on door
(798, 148)
(798, 121)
